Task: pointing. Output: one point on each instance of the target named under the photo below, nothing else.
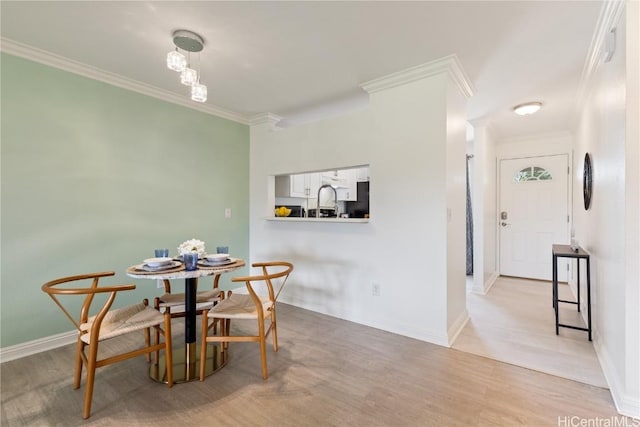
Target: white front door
(533, 215)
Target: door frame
(533, 154)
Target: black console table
(565, 251)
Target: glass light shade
(199, 92)
(189, 76)
(176, 61)
(529, 108)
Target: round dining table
(185, 359)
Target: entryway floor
(514, 323)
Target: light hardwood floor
(515, 323)
(327, 372)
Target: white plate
(208, 263)
(162, 267)
(157, 262)
(217, 257)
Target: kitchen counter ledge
(304, 219)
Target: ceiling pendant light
(189, 42)
(528, 108)
(176, 61)
(199, 92)
(189, 76)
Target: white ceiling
(288, 58)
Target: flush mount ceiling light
(528, 108)
(189, 42)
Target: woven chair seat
(123, 320)
(239, 306)
(179, 309)
(178, 299)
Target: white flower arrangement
(193, 245)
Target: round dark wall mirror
(587, 181)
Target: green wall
(95, 177)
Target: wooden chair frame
(90, 359)
(225, 322)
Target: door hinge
(568, 170)
(567, 267)
(567, 219)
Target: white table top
(184, 274)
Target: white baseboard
(626, 405)
(489, 283)
(457, 327)
(486, 285)
(36, 346)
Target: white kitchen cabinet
(306, 185)
(312, 185)
(301, 185)
(362, 174)
(348, 188)
(290, 185)
(344, 181)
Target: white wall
(609, 229)
(632, 210)
(535, 145)
(484, 210)
(408, 141)
(456, 149)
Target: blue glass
(162, 252)
(222, 249)
(190, 261)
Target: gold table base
(186, 363)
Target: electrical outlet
(227, 212)
(375, 290)
(159, 283)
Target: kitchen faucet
(335, 196)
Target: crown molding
(610, 14)
(265, 118)
(47, 58)
(485, 123)
(449, 64)
(481, 121)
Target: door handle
(504, 224)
